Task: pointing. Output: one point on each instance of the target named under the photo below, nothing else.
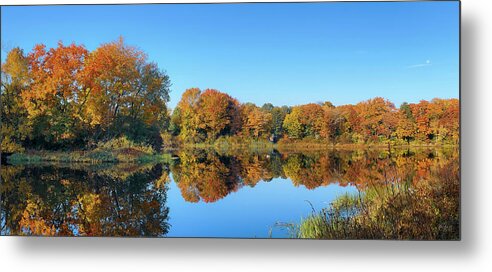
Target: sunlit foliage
(66, 97)
(204, 116)
(14, 122)
(207, 116)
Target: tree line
(205, 116)
(69, 97)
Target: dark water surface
(202, 194)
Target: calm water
(202, 194)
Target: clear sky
(286, 54)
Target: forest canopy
(68, 97)
(206, 116)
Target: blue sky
(286, 54)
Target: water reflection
(209, 175)
(131, 200)
(87, 201)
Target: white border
(473, 253)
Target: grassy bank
(428, 210)
(234, 142)
(120, 150)
(113, 151)
(119, 156)
(321, 145)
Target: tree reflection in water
(130, 200)
(86, 201)
(208, 175)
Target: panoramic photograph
(322, 120)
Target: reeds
(428, 210)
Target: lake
(203, 193)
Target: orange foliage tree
(256, 122)
(207, 115)
(71, 96)
(55, 96)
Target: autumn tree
(55, 95)
(312, 119)
(15, 80)
(406, 127)
(220, 114)
(421, 114)
(377, 118)
(292, 124)
(207, 115)
(304, 121)
(352, 129)
(186, 116)
(444, 114)
(449, 121)
(334, 125)
(256, 121)
(128, 95)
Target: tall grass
(112, 151)
(428, 210)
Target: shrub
(103, 156)
(20, 157)
(123, 143)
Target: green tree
(278, 117)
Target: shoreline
(166, 156)
(88, 157)
(311, 146)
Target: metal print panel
(331, 120)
